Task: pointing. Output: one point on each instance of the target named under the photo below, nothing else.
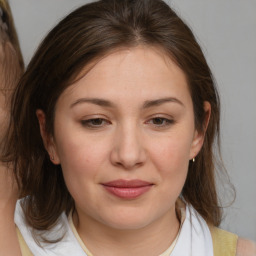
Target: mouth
(127, 189)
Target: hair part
(88, 33)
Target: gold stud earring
(193, 160)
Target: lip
(127, 189)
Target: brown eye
(94, 122)
(97, 121)
(160, 121)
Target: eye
(95, 122)
(160, 121)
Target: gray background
(226, 30)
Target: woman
(11, 66)
(111, 138)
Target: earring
(193, 160)
(52, 157)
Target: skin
(246, 247)
(8, 197)
(97, 142)
(130, 137)
(8, 188)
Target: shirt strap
(23, 246)
(224, 242)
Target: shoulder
(224, 242)
(245, 247)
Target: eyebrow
(152, 103)
(106, 103)
(96, 101)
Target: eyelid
(159, 115)
(168, 121)
(94, 116)
(87, 122)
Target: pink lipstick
(127, 189)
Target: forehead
(139, 72)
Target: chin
(129, 225)
(126, 221)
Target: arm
(8, 195)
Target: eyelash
(165, 122)
(90, 123)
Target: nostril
(128, 165)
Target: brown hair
(88, 33)
(11, 63)
(8, 32)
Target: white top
(194, 238)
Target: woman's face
(124, 135)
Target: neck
(153, 239)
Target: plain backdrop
(226, 30)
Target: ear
(198, 139)
(48, 140)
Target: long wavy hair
(11, 64)
(8, 31)
(88, 33)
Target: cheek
(172, 151)
(170, 156)
(80, 162)
(80, 156)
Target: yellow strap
(224, 242)
(23, 246)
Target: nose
(128, 151)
